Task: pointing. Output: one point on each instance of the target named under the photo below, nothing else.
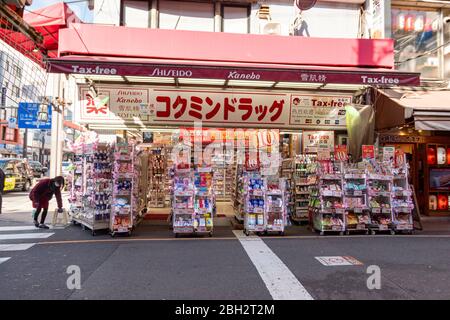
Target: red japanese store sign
(211, 108)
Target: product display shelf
(123, 177)
(327, 200)
(204, 201)
(183, 202)
(275, 205)
(238, 199)
(97, 187)
(139, 186)
(254, 200)
(379, 185)
(287, 172)
(357, 212)
(304, 170)
(77, 185)
(157, 173)
(402, 201)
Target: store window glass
(9, 134)
(136, 14)
(235, 19)
(183, 15)
(416, 34)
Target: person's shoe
(36, 224)
(43, 226)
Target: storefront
(239, 92)
(418, 122)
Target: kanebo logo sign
(171, 73)
(92, 70)
(234, 75)
(379, 80)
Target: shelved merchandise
(91, 201)
(402, 202)
(254, 201)
(379, 184)
(204, 201)
(183, 202)
(287, 172)
(327, 201)
(238, 194)
(157, 176)
(139, 186)
(123, 176)
(223, 168)
(304, 176)
(77, 181)
(275, 204)
(357, 212)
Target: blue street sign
(28, 116)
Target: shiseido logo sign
(171, 73)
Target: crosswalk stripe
(3, 260)
(19, 228)
(18, 236)
(16, 246)
(279, 280)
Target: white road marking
(279, 280)
(4, 260)
(19, 228)
(17, 236)
(16, 246)
(339, 261)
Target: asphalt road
(152, 264)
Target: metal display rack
(402, 201)
(183, 202)
(379, 198)
(123, 177)
(204, 201)
(357, 212)
(327, 201)
(254, 203)
(92, 187)
(275, 205)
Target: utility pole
(25, 144)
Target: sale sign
(368, 152)
(340, 153)
(312, 140)
(388, 154)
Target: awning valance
(429, 108)
(119, 66)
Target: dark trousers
(1, 201)
(43, 216)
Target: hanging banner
(314, 110)
(312, 140)
(143, 106)
(368, 152)
(340, 153)
(388, 154)
(399, 157)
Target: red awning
(112, 41)
(94, 65)
(48, 21)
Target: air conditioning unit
(273, 28)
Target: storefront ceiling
(272, 85)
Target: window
(16, 91)
(235, 19)
(416, 34)
(7, 66)
(10, 134)
(182, 15)
(136, 14)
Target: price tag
(382, 227)
(358, 193)
(360, 226)
(122, 229)
(336, 228)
